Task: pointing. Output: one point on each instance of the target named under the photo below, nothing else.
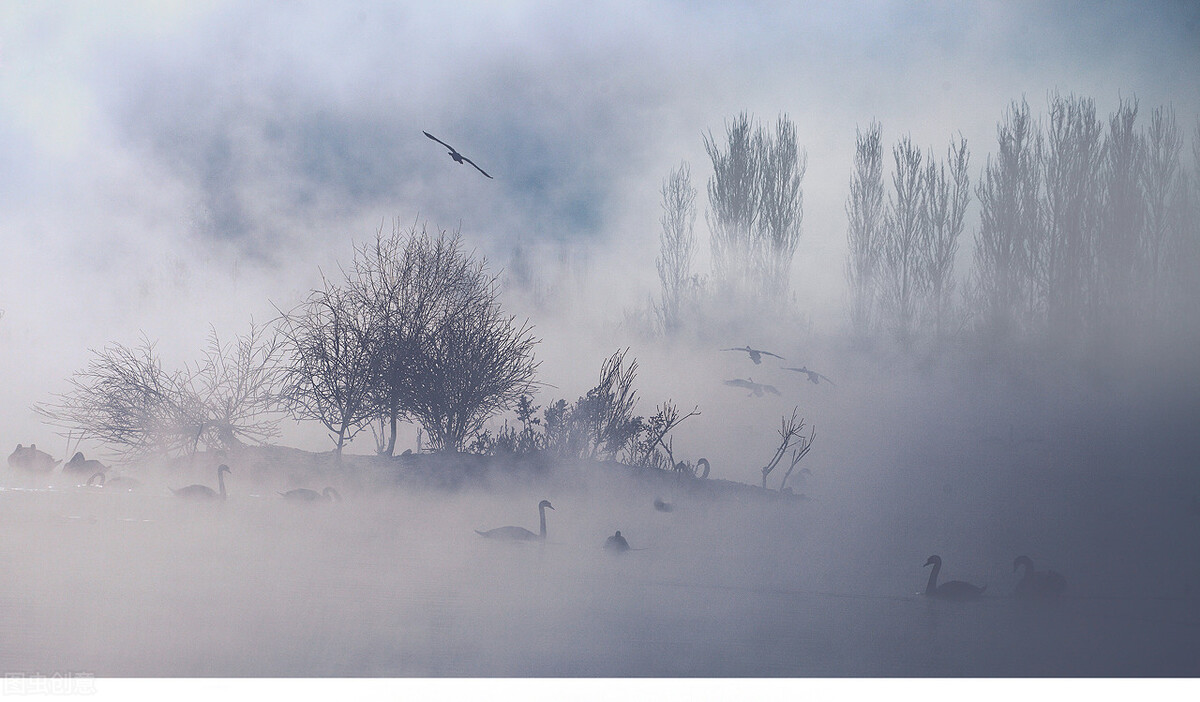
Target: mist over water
(200, 166)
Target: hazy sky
(167, 166)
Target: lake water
(398, 584)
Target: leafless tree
(1010, 229)
(943, 212)
(676, 246)
(1164, 184)
(475, 363)
(790, 437)
(733, 195)
(756, 208)
(408, 283)
(239, 386)
(1119, 267)
(864, 210)
(329, 375)
(802, 446)
(654, 436)
(901, 281)
(126, 400)
(781, 206)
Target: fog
(175, 170)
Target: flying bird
(813, 376)
(455, 155)
(757, 389)
(756, 354)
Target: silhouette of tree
(943, 211)
(126, 400)
(1010, 228)
(901, 281)
(1164, 184)
(408, 283)
(676, 246)
(864, 210)
(1119, 265)
(756, 208)
(329, 375)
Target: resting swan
(617, 543)
(515, 533)
(1037, 584)
(79, 464)
(204, 492)
(953, 590)
(306, 495)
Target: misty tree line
(1087, 230)
(755, 212)
(413, 331)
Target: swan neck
(542, 513)
(931, 586)
(221, 481)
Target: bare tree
(781, 204)
(733, 195)
(655, 431)
(943, 211)
(864, 210)
(408, 284)
(802, 446)
(676, 246)
(1010, 226)
(475, 363)
(1164, 184)
(756, 208)
(1121, 213)
(126, 400)
(901, 280)
(329, 376)
(239, 387)
(790, 437)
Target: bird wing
(739, 383)
(476, 167)
(771, 389)
(819, 375)
(768, 353)
(736, 349)
(442, 143)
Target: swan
(306, 495)
(617, 543)
(703, 462)
(515, 533)
(204, 492)
(96, 481)
(79, 464)
(1037, 584)
(953, 590)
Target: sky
(174, 167)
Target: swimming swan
(515, 533)
(204, 492)
(953, 590)
(1037, 584)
